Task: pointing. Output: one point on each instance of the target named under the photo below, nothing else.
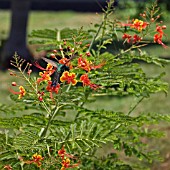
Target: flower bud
(12, 74)
(152, 19)
(88, 53)
(40, 98)
(14, 83)
(29, 72)
(164, 27)
(52, 55)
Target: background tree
(18, 30)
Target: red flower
(62, 152)
(131, 39)
(86, 82)
(88, 53)
(22, 92)
(136, 38)
(68, 77)
(40, 96)
(52, 88)
(127, 37)
(158, 37)
(84, 64)
(66, 62)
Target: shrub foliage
(60, 132)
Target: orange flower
(49, 68)
(68, 77)
(63, 61)
(86, 65)
(45, 75)
(21, 92)
(66, 62)
(36, 159)
(65, 164)
(66, 159)
(139, 24)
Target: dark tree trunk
(18, 33)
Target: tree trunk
(18, 33)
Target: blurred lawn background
(156, 103)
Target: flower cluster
(140, 26)
(36, 159)
(45, 75)
(62, 71)
(66, 159)
(86, 65)
(131, 39)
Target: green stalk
(51, 118)
(102, 25)
(135, 105)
